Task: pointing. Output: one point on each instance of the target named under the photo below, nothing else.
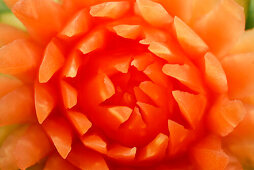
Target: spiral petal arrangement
(126, 84)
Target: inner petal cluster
(129, 85)
(126, 82)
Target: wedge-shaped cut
(95, 142)
(114, 63)
(214, 74)
(128, 31)
(169, 50)
(41, 24)
(188, 103)
(120, 113)
(239, 70)
(134, 129)
(122, 65)
(155, 92)
(17, 106)
(105, 86)
(53, 60)
(154, 34)
(141, 96)
(227, 15)
(150, 116)
(153, 71)
(186, 74)
(161, 50)
(108, 88)
(86, 159)
(80, 121)
(78, 25)
(122, 153)
(189, 40)
(44, 101)
(9, 34)
(93, 41)
(129, 21)
(69, 94)
(110, 117)
(225, 115)
(18, 57)
(142, 61)
(177, 136)
(209, 155)
(8, 84)
(55, 162)
(154, 13)
(60, 133)
(112, 10)
(244, 44)
(155, 150)
(72, 65)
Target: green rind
(38, 166)
(244, 4)
(7, 75)
(10, 19)
(248, 167)
(7, 17)
(250, 16)
(3, 7)
(58, 1)
(5, 131)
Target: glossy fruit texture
(157, 84)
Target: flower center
(119, 97)
(125, 83)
